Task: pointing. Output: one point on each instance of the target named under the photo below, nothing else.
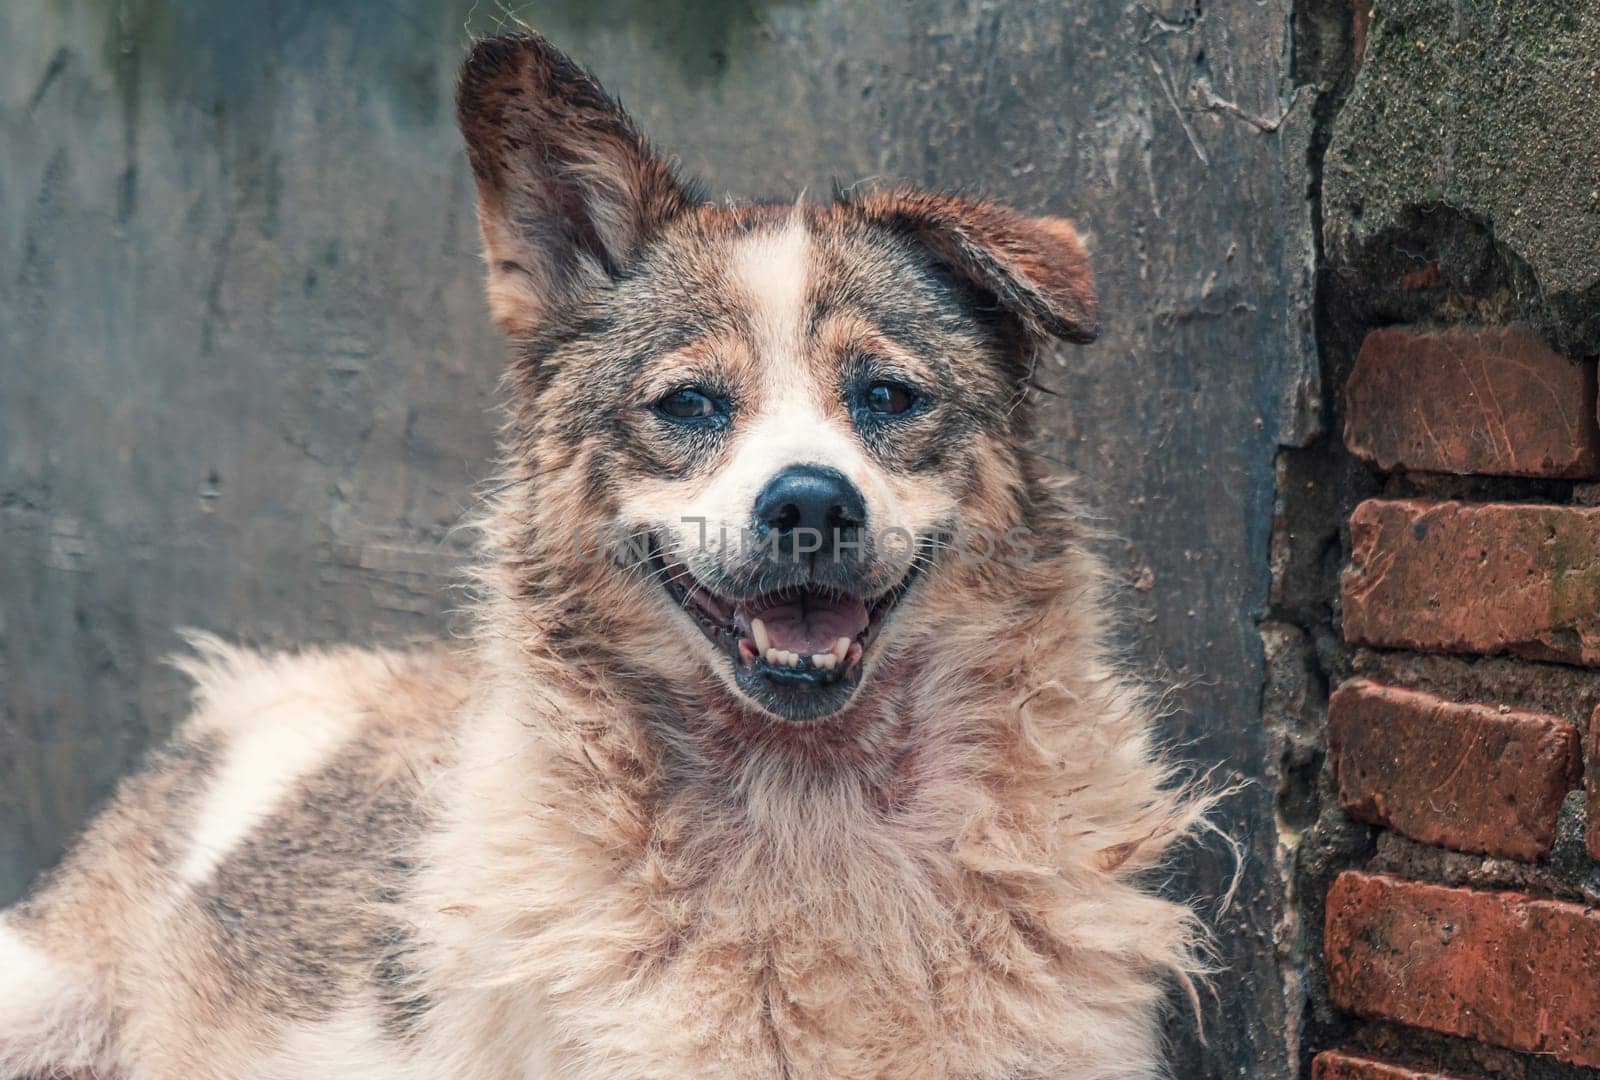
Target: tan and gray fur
(580, 846)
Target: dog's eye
(889, 398)
(687, 404)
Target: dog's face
(766, 427)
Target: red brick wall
(1470, 614)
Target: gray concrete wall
(245, 371)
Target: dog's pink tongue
(811, 624)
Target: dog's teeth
(784, 658)
(823, 661)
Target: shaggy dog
(787, 746)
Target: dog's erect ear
(568, 190)
(1035, 267)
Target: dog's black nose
(811, 507)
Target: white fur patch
(46, 1009)
(32, 982)
(350, 1044)
(286, 739)
(773, 269)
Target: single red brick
(1471, 401)
(1333, 1065)
(1501, 968)
(1469, 777)
(1489, 578)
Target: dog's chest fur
(793, 931)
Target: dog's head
(762, 436)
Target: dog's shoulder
(321, 693)
(266, 728)
(254, 867)
(268, 735)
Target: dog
(788, 742)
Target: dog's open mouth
(797, 650)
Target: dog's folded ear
(569, 192)
(1035, 268)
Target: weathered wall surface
(244, 367)
(1437, 553)
(1472, 142)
